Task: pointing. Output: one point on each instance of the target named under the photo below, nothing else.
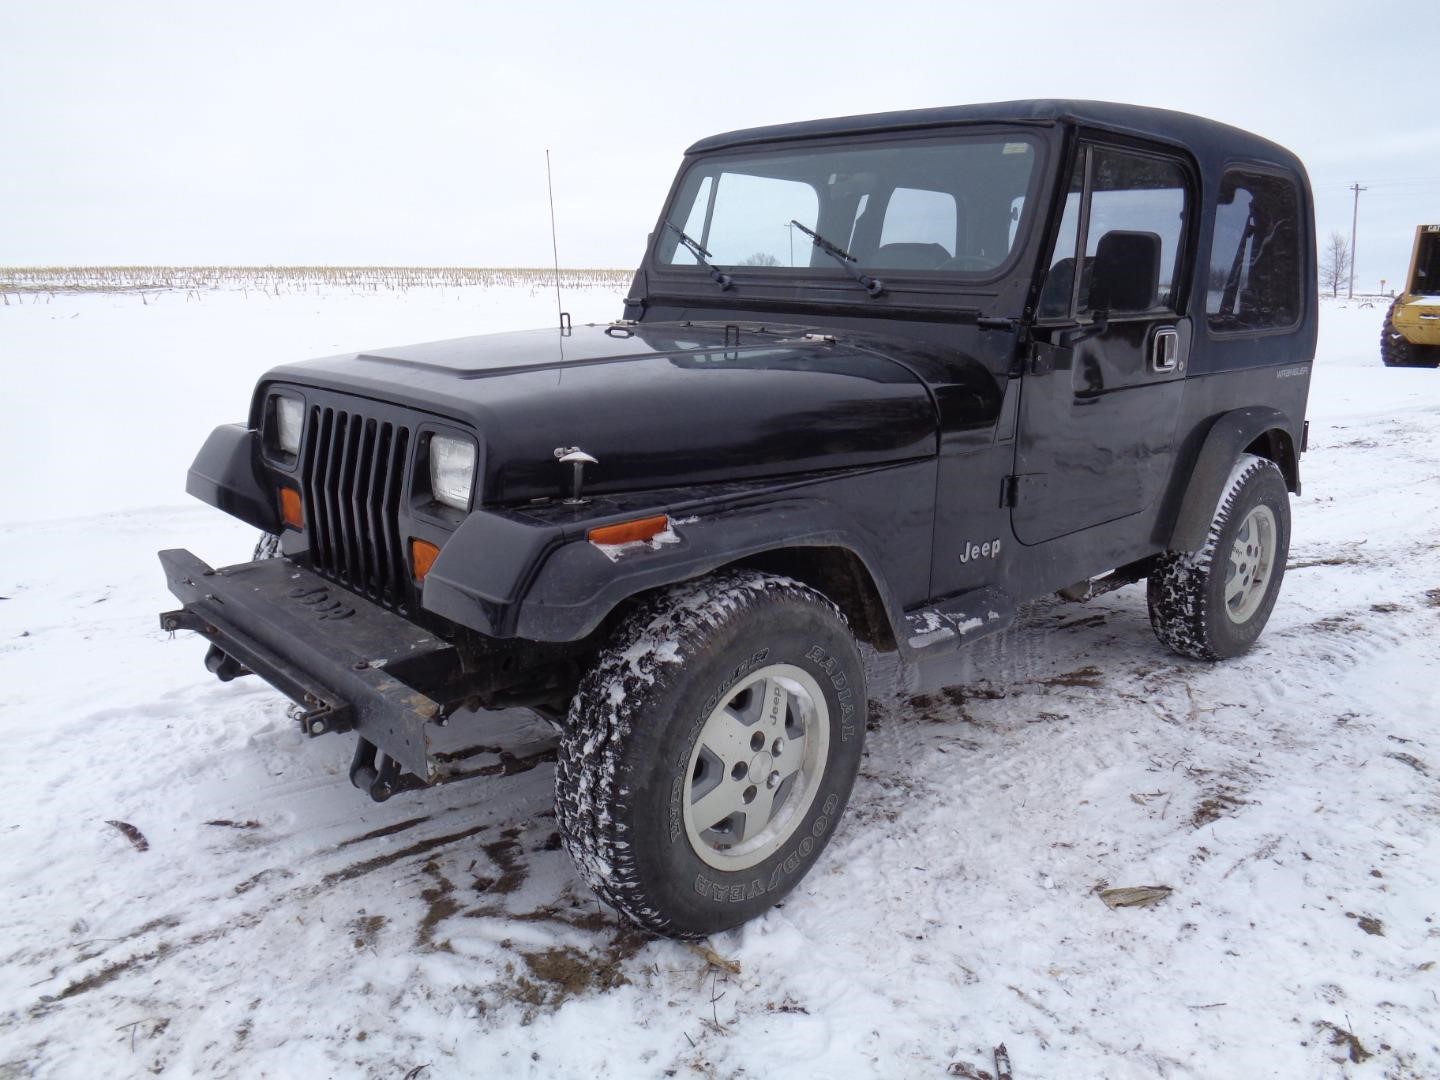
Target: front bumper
(350, 664)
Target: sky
(140, 132)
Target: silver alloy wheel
(756, 767)
(1252, 558)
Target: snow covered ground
(279, 924)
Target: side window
(1254, 275)
(1127, 211)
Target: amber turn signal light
(627, 532)
(292, 511)
(422, 557)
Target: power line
(1406, 180)
(1403, 180)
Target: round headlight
(452, 470)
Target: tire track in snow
(261, 900)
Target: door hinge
(1013, 488)
(1009, 491)
(1044, 357)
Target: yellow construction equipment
(1412, 325)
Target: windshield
(949, 205)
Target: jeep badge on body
(898, 375)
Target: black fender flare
(1227, 439)
(512, 579)
(226, 474)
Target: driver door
(1101, 394)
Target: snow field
(279, 924)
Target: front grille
(354, 474)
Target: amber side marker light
(292, 510)
(627, 532)
(422, 557)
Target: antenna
(554, 247)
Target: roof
(1205, 137)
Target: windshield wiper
(873, 286)
(701, 256)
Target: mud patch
(108, 974)
(440, 904)
(1084, 622)
(379, 862)
(259, 879)
(952, 703)
(1086, 678)
(557, 974)
(1336, 624)
(1368, 923)
(874, 716)
(592, 920)
(506, 854)
(365, 929)
(1350, 556)
(376, 834)
(1220, 803)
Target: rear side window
(1254, 274)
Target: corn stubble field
(17, 283)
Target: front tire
(1213, 604)
(710, 752)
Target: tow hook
(222, 666)
(376, 774)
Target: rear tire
(711, 750)
(1213, 604)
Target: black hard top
(1206, 138)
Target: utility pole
(1354, 219)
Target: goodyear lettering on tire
(749, 890)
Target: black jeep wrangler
(879, 379)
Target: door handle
(1165, 350)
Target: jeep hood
(656, 404)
